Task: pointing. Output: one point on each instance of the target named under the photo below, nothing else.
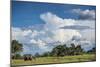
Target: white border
(84, 2)
(4, 33)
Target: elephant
(27, 57)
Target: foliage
(63, 50)
(37, 55)
(93, 50)
(17, 56)
(16, 46)
(59, 50)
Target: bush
(17, 56)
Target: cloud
(68, 24)
(87, 45)
(65, 35)
(53, 21)
(88, 35)
(39, 42)
(16, 33)
(76, 27)
(21, 35)
(87, 39)
(45, 37)
(53, 24)
(85, 14)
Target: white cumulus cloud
(52, 32)
(85, 14)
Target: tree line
(63, 50)
(58, 51)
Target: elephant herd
(29, 58)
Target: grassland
(52, 60)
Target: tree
(93, 50)
(59, 50)
(16, 48)
(78, 50)
(46, 54)
(37, 55)
(72, 45)
(18, 56)
(72, 49)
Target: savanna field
(52, 60)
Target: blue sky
(41, 26)
(28, 13)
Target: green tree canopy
(16, 47)
(59, 50)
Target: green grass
(52, 60)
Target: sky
(42, 26)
